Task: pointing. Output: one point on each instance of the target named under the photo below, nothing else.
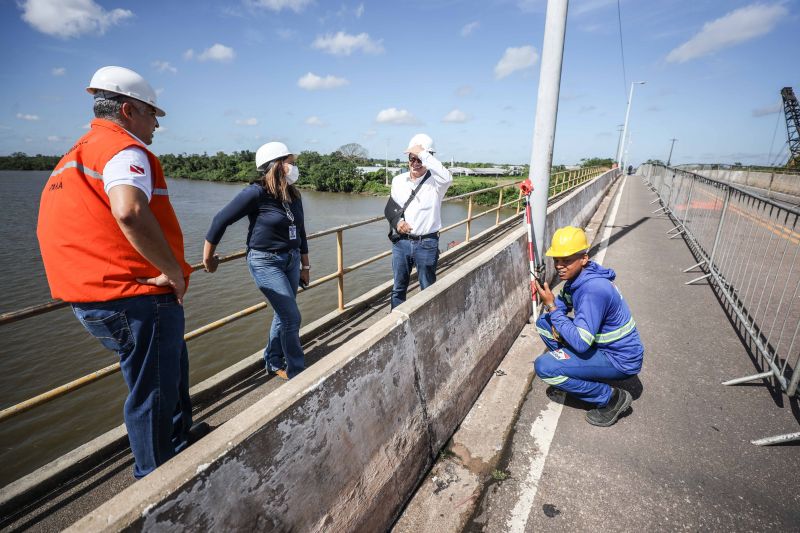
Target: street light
(625, 127)
(619, 140)
(670, 151)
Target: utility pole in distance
(670, 150)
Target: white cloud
(160, 129)
(464, 90)
(314, 120)
(469, 28)
(217, 52)
(393, 115)
(359, 10)
(514, 59)
(25, 116)
(70, 18)
(344, 44)
(312, 82)
(53, 138)
(87, 125)
(278, 5)
(370, 133)
(456, 116)
(159, 91)
(247, 122)
(58, 71)
(164, 66)
(188, 55)
(768, 110)
(736, 27)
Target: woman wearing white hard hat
(277, 250)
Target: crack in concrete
(424, 403)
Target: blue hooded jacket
(602, 318)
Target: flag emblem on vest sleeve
(136, 169)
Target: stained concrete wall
(769, 181)
(342, 446)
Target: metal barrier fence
(748, 246)
(563, 182)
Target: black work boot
(607, 415)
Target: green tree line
(334, 172)
(22, 161)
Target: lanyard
(289, 213)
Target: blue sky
(233, 74)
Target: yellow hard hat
(567, 241)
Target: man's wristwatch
(305, 267)
(551, 307)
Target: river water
(43, 352)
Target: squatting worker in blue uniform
(277, 250)
(419, 229)
(599, 343)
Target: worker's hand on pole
(545, 294)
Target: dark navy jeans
(147, 334)
(408, 253)
(575, 373)
(277, 276)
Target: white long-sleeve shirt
(424, 214)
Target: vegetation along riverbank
(334, 172)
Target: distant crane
(792, 111)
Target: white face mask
(293, 175)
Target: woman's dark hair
(273, 179)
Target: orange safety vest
(86, 256)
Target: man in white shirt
(419, 227)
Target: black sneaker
(607, 416)
(197, 432)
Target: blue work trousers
(575, 373)
(147, 334)
(408, 253)
(277, 275)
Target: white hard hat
(270, 152)
(423, 140)
(124, 81)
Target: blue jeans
(277, 275)
(407, 253)
(575, 373)
(147, 334)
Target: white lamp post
(625, 127)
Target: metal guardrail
(749, 247)
(560, 182)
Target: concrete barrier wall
(769, 181)
(342, 446)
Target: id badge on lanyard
(292, 227)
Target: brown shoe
(280, 373)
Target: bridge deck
(682, 458)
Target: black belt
(410, 237)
